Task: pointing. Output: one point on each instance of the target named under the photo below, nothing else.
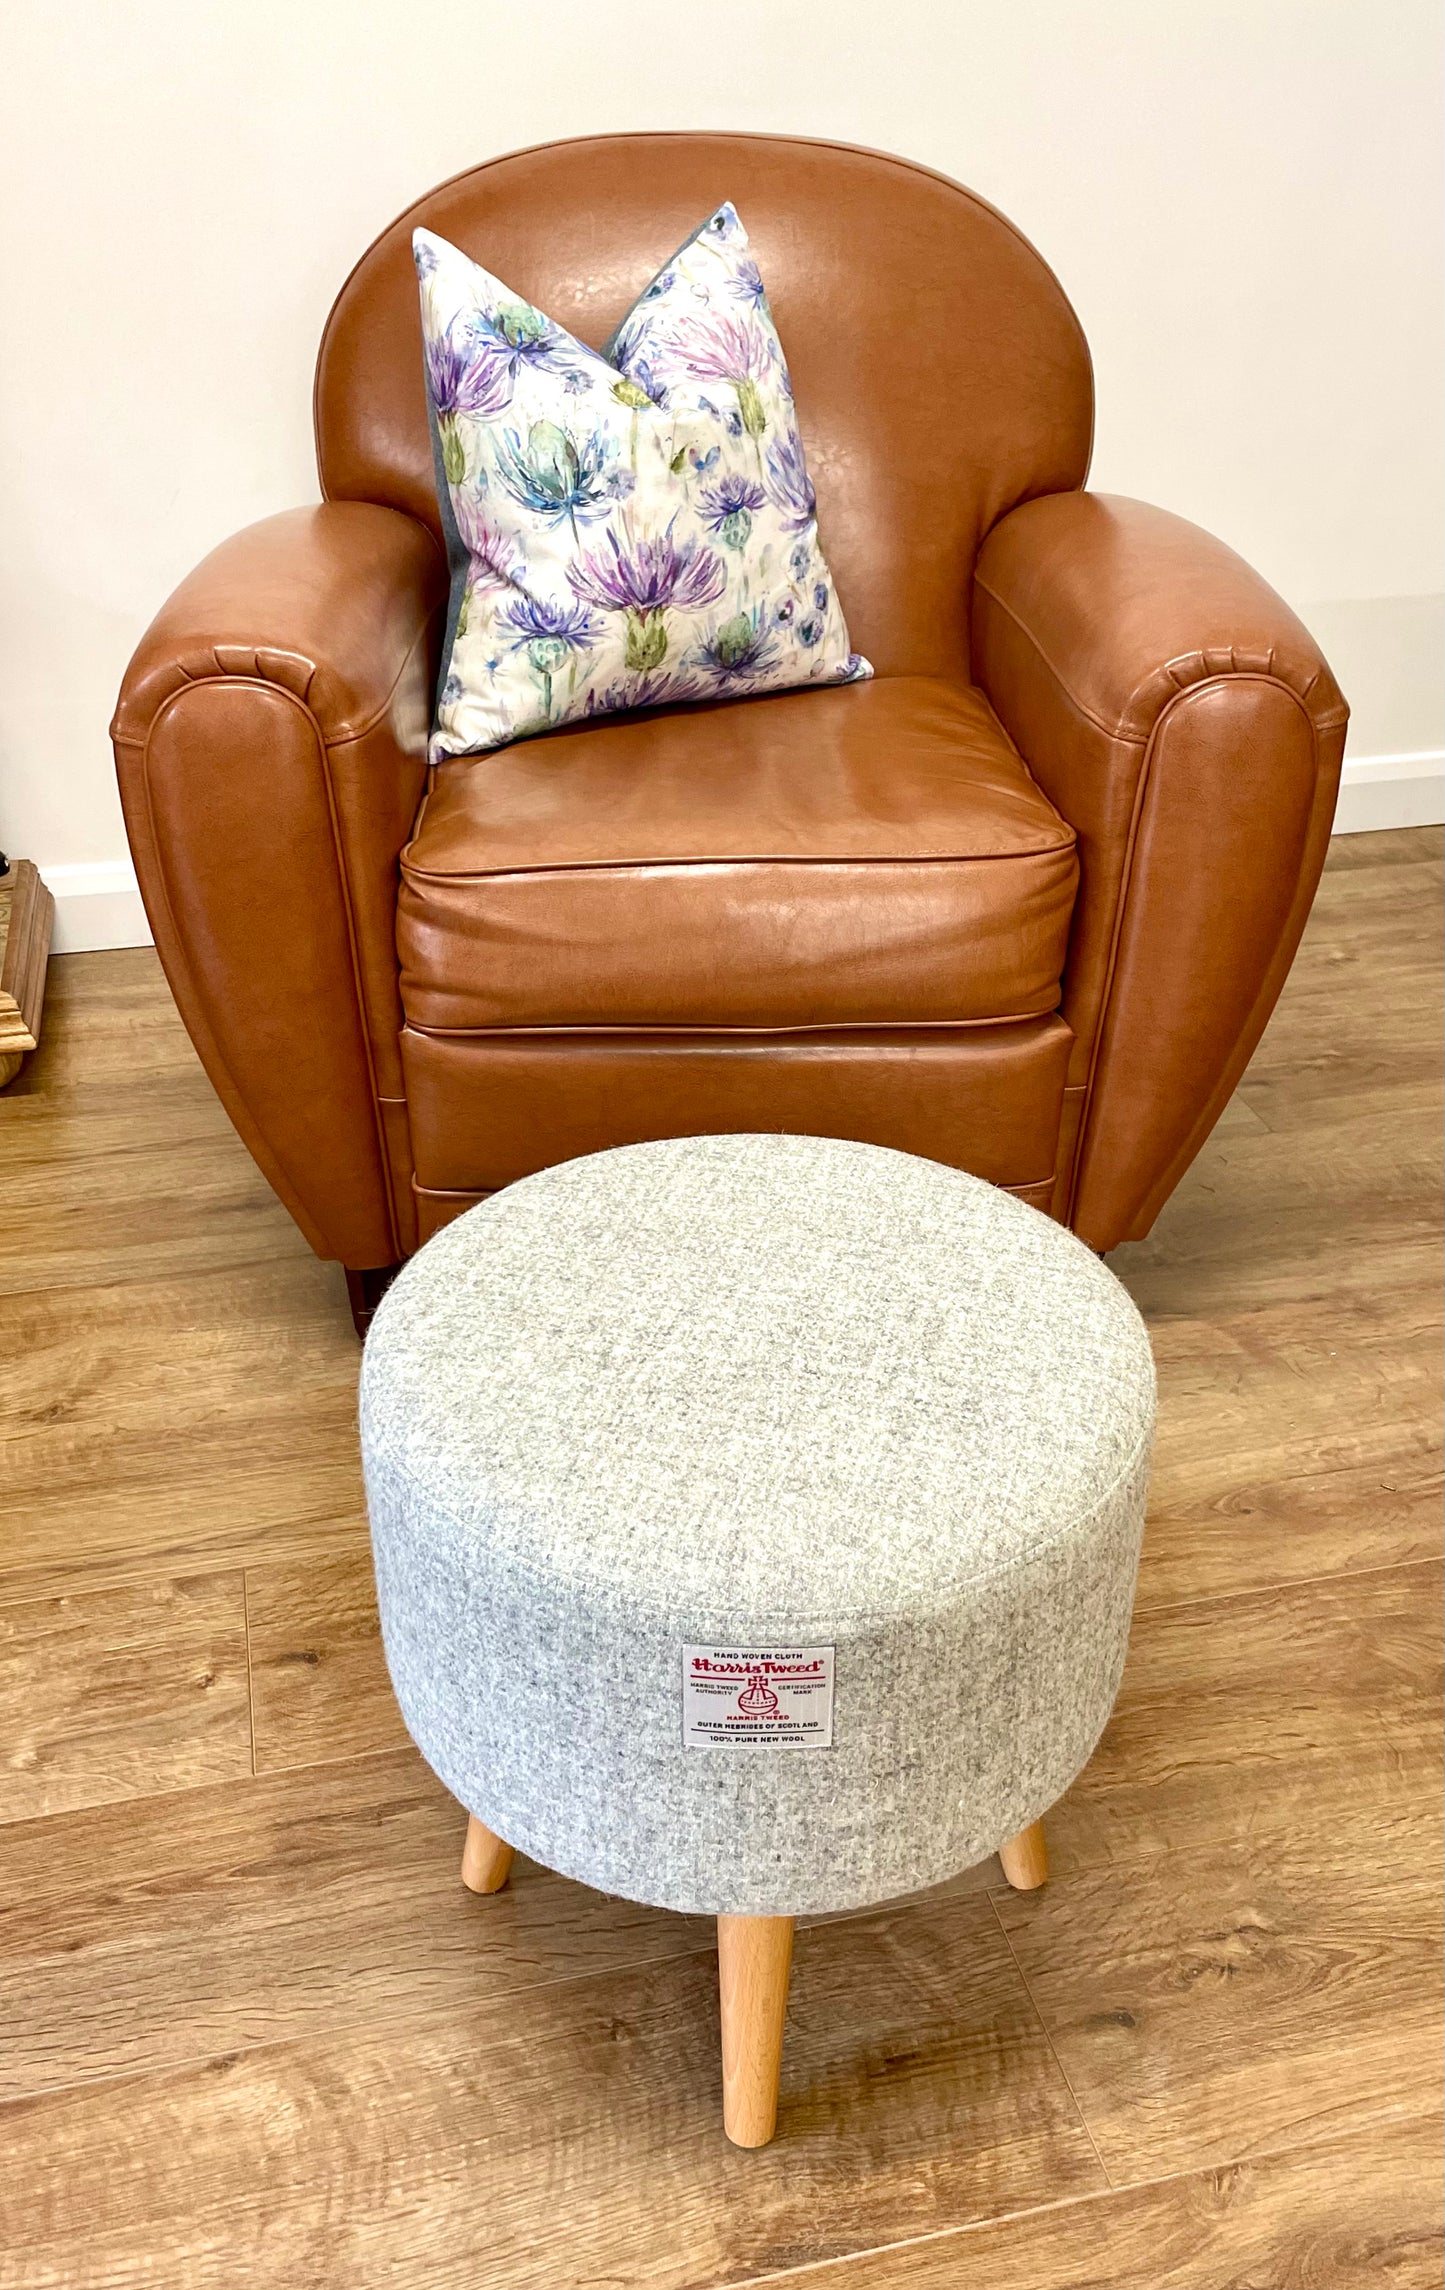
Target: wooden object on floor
(27, 915)
(486, 1861)
(754, 1959)
(1025, 1858)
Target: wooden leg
(486, 1861)
(754, 1958)
(1026, 1859)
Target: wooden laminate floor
(253, 2031)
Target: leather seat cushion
(873, 855)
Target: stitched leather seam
(177, 936)
(1122, 729)
(414, 873)
(1142, 792)
(261, 683)
(484, 1192)
(1195, 1137)
(255, 673)
(345, 737)
(685, 1030)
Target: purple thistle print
(748, 286)
(728, 507)
(515, 335)
(535, 620)
(549, 634)
(719, 347)
(462, 380)
(496, 559)
(639, 527)
(642, 575)
(652, 691)
(792, 487)
(743, 647)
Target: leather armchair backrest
(940, 373)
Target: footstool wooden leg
(486, 1861)
(754, 1958)
(1026, 1858)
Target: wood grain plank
(1341, 1194)
(1296, 1438)
(114, 1693)
(1324, 2218)
(103, 1218)
(1384, 847)
(119, 1161)
(120, 1025)
(307, 1903)
(115, 1071)
(318, 1675)
(1240, 1948)
(1283, 1711)
(572, 2136)
(1242, 1998)
(1257, 1221)
(176, 1425)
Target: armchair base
(365, 1290)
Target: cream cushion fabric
(624, 529)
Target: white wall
(1241, 197)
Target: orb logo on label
(757, 1698)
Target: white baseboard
(1391, 791)
(96, 905)
(99, 904)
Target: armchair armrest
(1183, 720)
(270, 742)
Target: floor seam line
(250, 1675)
(1290, 1582)
(1049, 2040)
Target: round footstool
(756, 1522)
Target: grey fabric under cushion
(756, 1394)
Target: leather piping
(1126, 873)
(271, 1168)
(486, 1192)
(1170, 680)
(738, 859)
(263, 683)
(688, 1027)
(344, 733)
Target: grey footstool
(756, 1522)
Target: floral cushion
(624, 529)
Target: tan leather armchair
(1022, 904)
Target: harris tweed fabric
(756, 1393)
